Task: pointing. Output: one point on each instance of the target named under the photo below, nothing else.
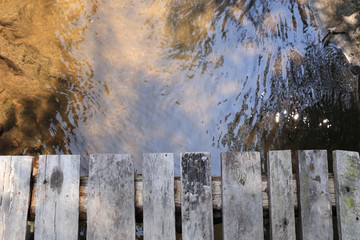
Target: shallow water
(93, 76)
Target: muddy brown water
(91, 76)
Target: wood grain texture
(110, 206)
(281, 197)
(347, 185)
(216, 192)
(15, 175)
(196, 211)
(242, 203)
(57, 197)
(158, 196)
(314, 196)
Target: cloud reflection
(172, 76)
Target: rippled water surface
(171, 76)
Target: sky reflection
(174, 76)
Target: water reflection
(173, 76)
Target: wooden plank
(158, 196)
(196, 211)
(216, 192)
(314, 197)
(110, 207)
(57, 197)
(15, 175)
(347, 185)
(281, 197)
(241, 187)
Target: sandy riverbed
(344, 16)
(33, 56)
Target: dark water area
(84, 77)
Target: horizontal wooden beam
(216, 192)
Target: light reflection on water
(174, 76)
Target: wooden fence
(107, 199)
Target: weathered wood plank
(158, 196)
(281, 197)
(216, 192)
(15, 175)
(57, 197)
(110, 207)
(242, 203)
(196, 211)
(347, 185)
(314, 197)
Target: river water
(113, 76)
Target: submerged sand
(33, 62)
(341, 16)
